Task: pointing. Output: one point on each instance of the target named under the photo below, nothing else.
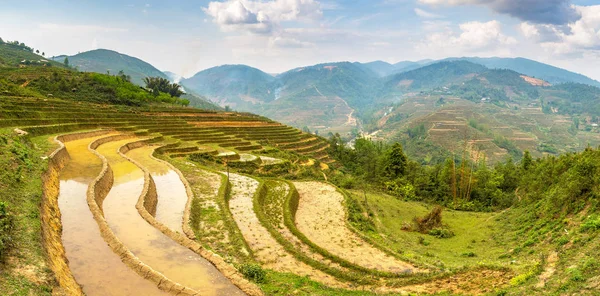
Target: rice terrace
(463, 169)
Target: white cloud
(258, 16)
(426, 14)
(575, 38)
(474, 37)
(288, 42)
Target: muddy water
(172, 195)
(94, 265)
(146, 242)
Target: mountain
(173, 77)
(353, 83)
(381, 68)
(237, 86)
(434, 75)
(532, 68)
(13, 54)
(103, 61)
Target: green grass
(474, 233)
(21, 188)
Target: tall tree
(66, 61)
(527, 160)
(395, 161)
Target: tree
(527, 160)
(66, 61)
(1, 41)
(124, 77)
(163, 85)
(395, 162)
(37, 51)
(43, 54)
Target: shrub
(441, 233)
(469, 254)
(591, 223)
(6, 228)
(253, 272)
(430, 221)
(195, 211)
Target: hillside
(434, 76)
(108, 61)
(238, 86)
(532, 68)
(381, 68)
(13, 55)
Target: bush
(430, 221)
(591, 223)
(441, 233)
(253, 272)
(6, 228)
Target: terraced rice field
(145, 206)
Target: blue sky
(276, 35)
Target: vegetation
(20, 244)
(158, 85)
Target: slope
(529, 67)
(103, 61)
(237, 86)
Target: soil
(321, 217)
(265, 248)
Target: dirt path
(321, 216)
(549, 269)
(151, 246)
(91, 260)
(266, 249)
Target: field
(482, 129)
(184, 205)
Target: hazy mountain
(173, 77)
(103, 61)
(238, 86)
(532, 68)
(434, 75)
(381, 68)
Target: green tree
(395, 162)
(66, 61)
(527, 161)
(163, 85)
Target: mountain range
(345, 96)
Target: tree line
(568, 180)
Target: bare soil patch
(265, 248)
(321, 216)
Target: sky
(185, 37)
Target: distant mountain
(103, 60)
(353, 83)
(237, 86)
(532, 68)
(434, 75)
(381, 68)
(173, 77)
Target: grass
(21, 189)
(475, 233)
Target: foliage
(253, 272)
(6, 228)
(591, 223)
(430, 221)
(159, 84)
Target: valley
(461, 179)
